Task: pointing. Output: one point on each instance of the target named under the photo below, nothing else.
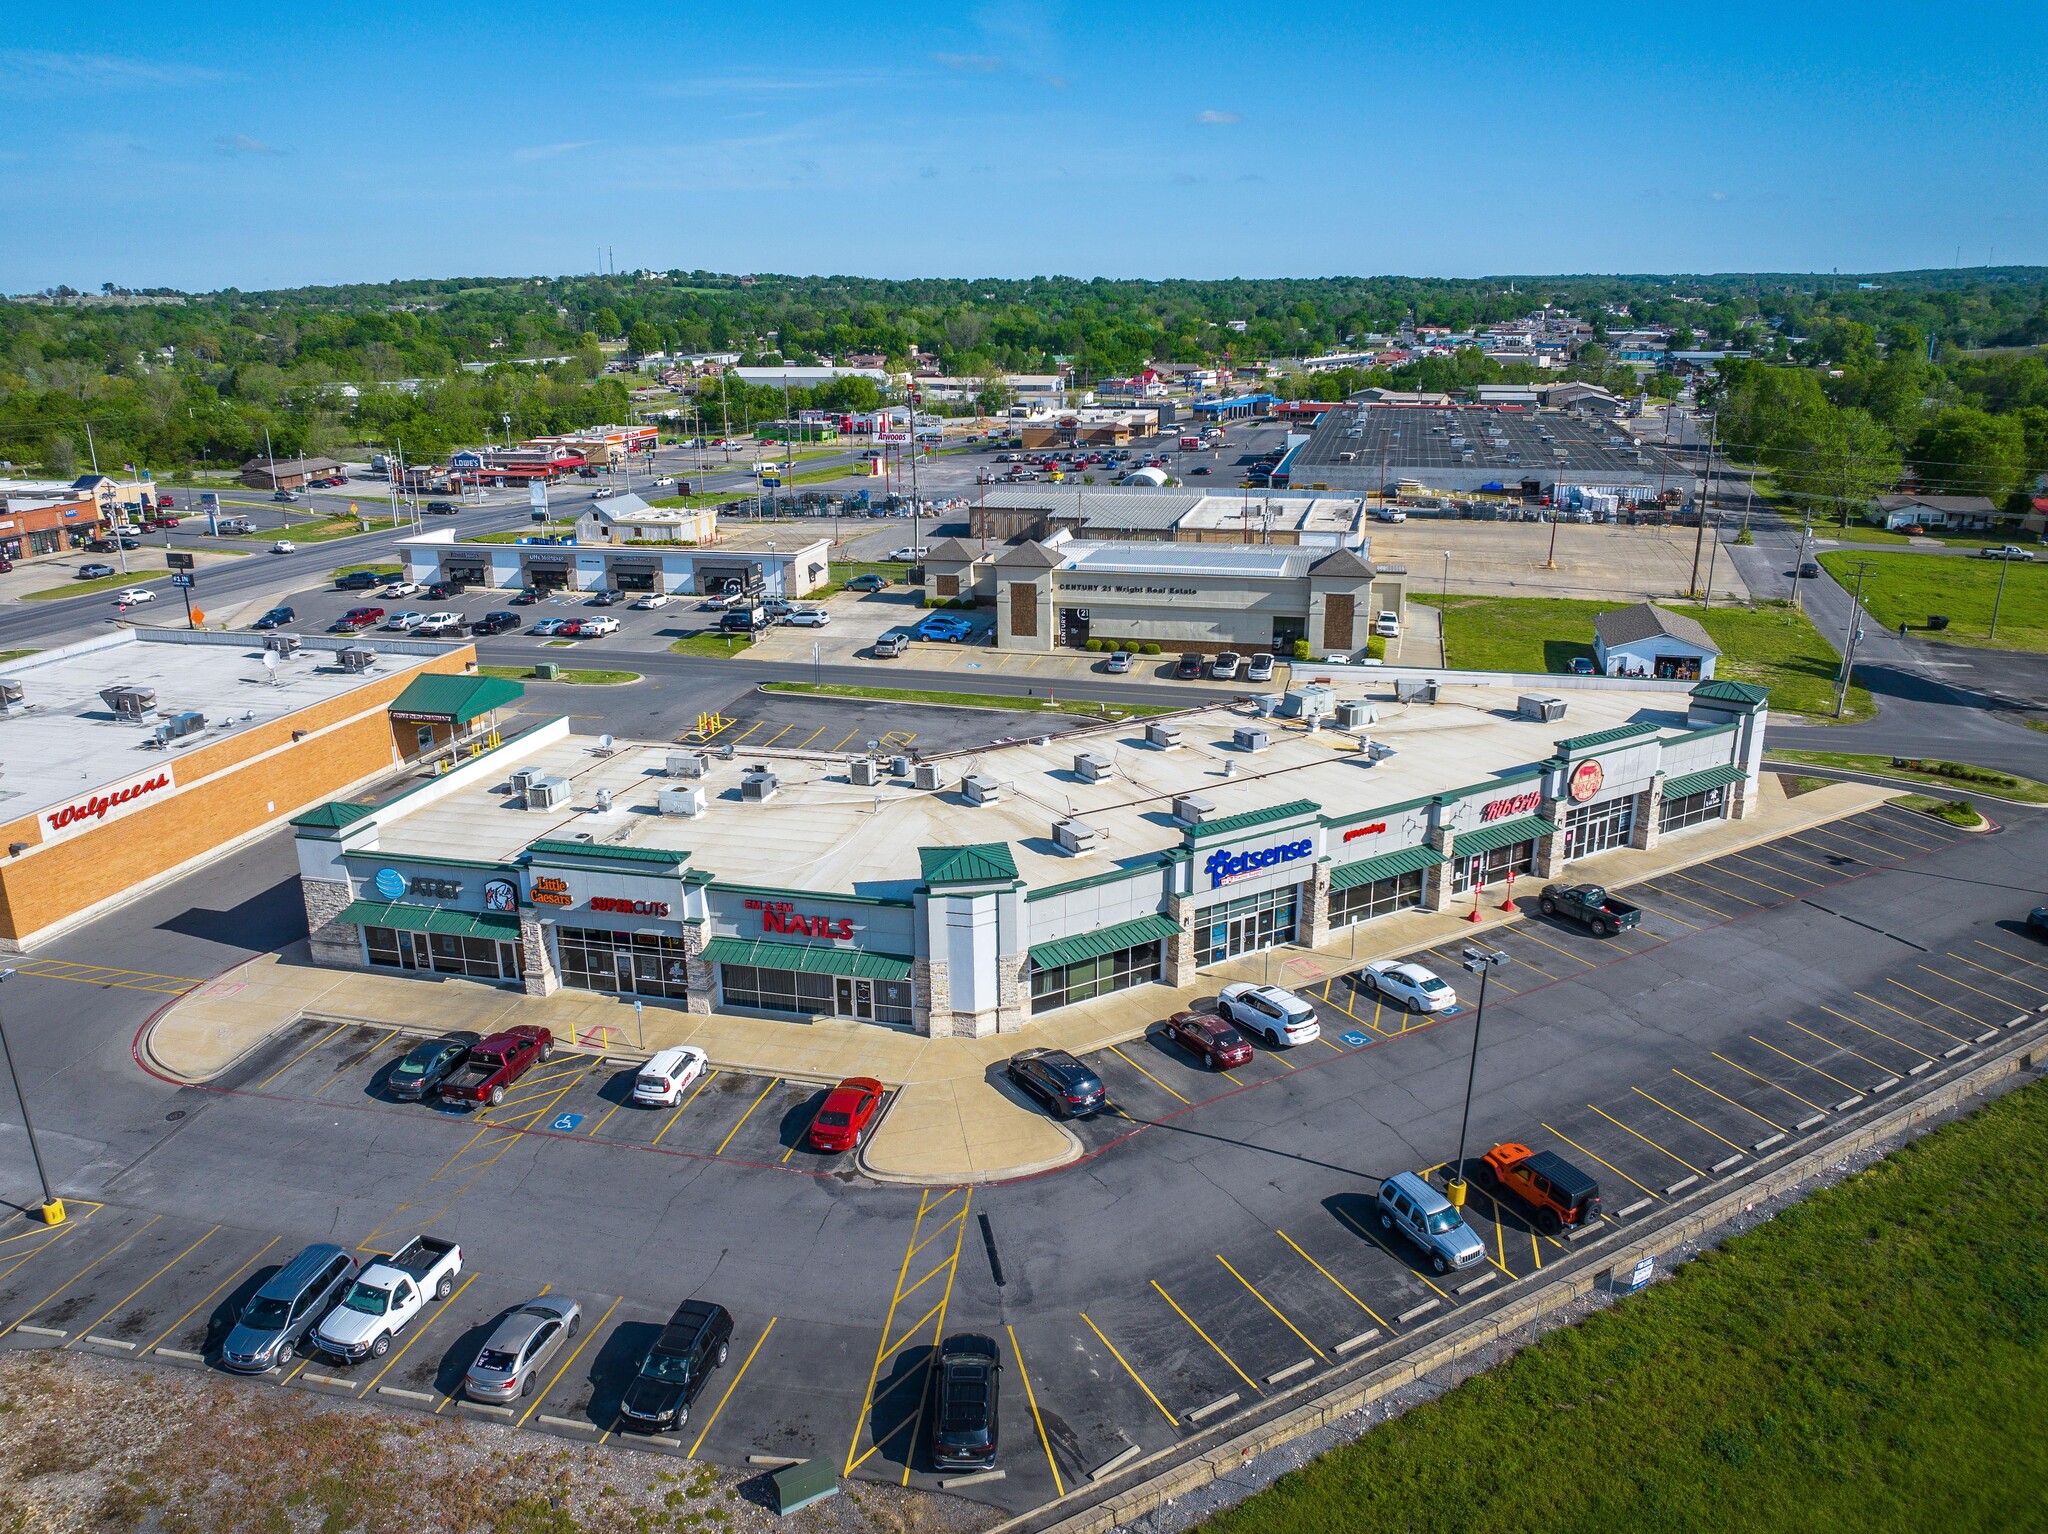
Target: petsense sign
(105, 804)
(1229, 867)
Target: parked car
(527, 597)
(427, 1065)
(1224, 667)
(1272, 1012)
(943, 628)
(868, 583)
(388, 1294)
(907, 554)
(1211, 1039)
(891, 644)
(356, 619)
(93, 571)
(520, 1347)
(134, 596)
(405, 622)
(496, 1063)
(1200, 468)
(1187, 668)
(495, 623)
(364, 580)
(1259, 669)
(966, 1394)
(1387, 625)
(1557, 1193)
(2037, 921)
(808, 618)
(545, 628)
(1067, 1087)
(745, 620)
(441, 626)
(610, 596)
(696, 1340)
(845, 1114)
(440, 508)
(596, 628)
(1415, 1209)
(399, 589)
(1119, 662)
(651, 601)
(666, 1075)
(276, 618)
(2005, 551)
(290, 1303)
(1410, 986)
(1591, 906)
(441, 591)
(1582, 665)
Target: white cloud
(241, 143)
(549, 151)
(970, 63)
(1217, 119)
(98, 69)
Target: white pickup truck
(387, 1294)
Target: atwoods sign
(108, 804)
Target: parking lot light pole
(52, 1207)
(1481, 962)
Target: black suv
(495, 623)
(1188, 668)
(419, 1073)
(673, 1373)
(1058, 1080)
(968, 1387)
(359, 580)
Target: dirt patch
(96, 1444)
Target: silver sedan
(521, 1347)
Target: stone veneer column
(1179, 968)
(1643, 835)
(1316, 930)
(1550, 849)
(697, 976)
(1739, 797)
(1013, 995)
(331, 941)
(1436, 882)
(934, 998)
(540, 979)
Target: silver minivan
(1415, 1209)
(272, 1327)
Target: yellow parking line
(1133, 1373)
(557, 1379)
(150, 1346)
(808, 1127)
(1354, 1299)
(103, 969)
(1844, 1048)
(1731, 1102)
(1795, 857)
(680, 1106)
(295, 1059)
(1883, 852)
(1767, 1081)
(1833, 852)
(74, 1278)
(924, 1204)
(2000, 1001)
(1909, 1017)
(594, 1128)
(771, 740)
(1665, 915)
(820, 730)
(50, 1238)
(1617, 1171)
(843, 740)
(1374, 1238)
(1145, 1073)
(722, 1144)
(440, 1310)
(1731, 1144)
(1716, 889)
(1523, 931)
(1031, 1399)
(729, 1389)
(159, 1273)
(1760, 884)
(938, 1332)
(1838, 1081)
(1845, 1017)
(2008, 979)
(1204, 1336)
(1270, 1306)
(1688, 900)
(2008, 953)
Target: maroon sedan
(846, 1113)
(1212, 1038)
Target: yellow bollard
(1454, 1190)
(53, 1212)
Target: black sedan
(968, 1390)
(429, 1064)
(1058, 1080)
(276, 618)
(2037, 920)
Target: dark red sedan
(1212, 1038)
(848, 1109)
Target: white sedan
(1410, 986)
(910, 554)
(133, 595)
(401, 589)
(808, 618)
(283, 546)
(405, 622)
(652, 600)
(596, 628)
(1278, 1016)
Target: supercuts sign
(783, 916)
(105, 804)
(1229, 867)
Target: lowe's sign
(1229, 867)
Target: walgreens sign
(109, 803)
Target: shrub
(1301, 649)
(1149, 648)
(1094, 647)
(1376, 647)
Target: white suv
(1278, 1016)
(665, 1077)
(1387, 625)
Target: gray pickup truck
(1591, 905)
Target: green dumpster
(800, 1485)
(546, 671)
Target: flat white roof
(1271, 561)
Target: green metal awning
(455, 700)
(432, 918)
(1388, 865)
(1502, 833)
(1093, 945)
(856, 962)
(1699, 782)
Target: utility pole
(53, 1206)
(1996, 601)
(1863, 568)
(1706, 490)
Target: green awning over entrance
(1388, 865)
(1699, 782)
(432, 918)
(1093, 945)
(856, 962)
(1502, 833)
(453, 699)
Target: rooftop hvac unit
(864, 772)
(281, 644)
(1192, 809)
(899, 766)
(1093, 766)
(11, 693)
(357, 658)
(1536, 706)
(980, 788)
(927, 776)
(602, 801)
(689, 801)
(1314, 700)
(686, 764)
(130, 702)
(180, 727)
(1250, 737)
(1415, 689)
(1356, 714)
(524, 779)
(1165, 736)
(547, 794)
(758, 786)
(1373, 752)
(1075, 838)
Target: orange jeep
(1558, 1192)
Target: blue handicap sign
(566, 1121)
(1352, 1039)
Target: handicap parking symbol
(566, 1121)
(1352, 1039)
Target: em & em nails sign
(109, 803)
(1229, 867)
(783, 916)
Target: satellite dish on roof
(604, 742)
(270, 660)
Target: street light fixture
(52, 1209)
(1481, 962)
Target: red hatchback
(846, 1114)
(1219, 1045)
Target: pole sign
(177, 560)
(181, 581)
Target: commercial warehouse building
(619, 558)
(969, 895)
(1370, 447)
(1168, 514)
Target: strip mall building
(969, 894)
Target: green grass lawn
(1907, 588)
(575, 678)
(1874, 1358)
(389, 572)
(973, 700)
(138, 571)
(1771, 644)
(711, 642)
(844, 571)
(316, 530)
(1960, 778)
(7, 655)
(513, 535)
(1957, 812)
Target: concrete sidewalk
(952, 1120)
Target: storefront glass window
(1692, 810)
(1492, 867)
(1596, 827)
(441, 953)
(1362, 902)
(623, 963)
(1069, 983)
(1246, 924)
(809, 995)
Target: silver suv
(1415, 1209)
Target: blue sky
(258, 146)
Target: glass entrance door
(854, 998)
